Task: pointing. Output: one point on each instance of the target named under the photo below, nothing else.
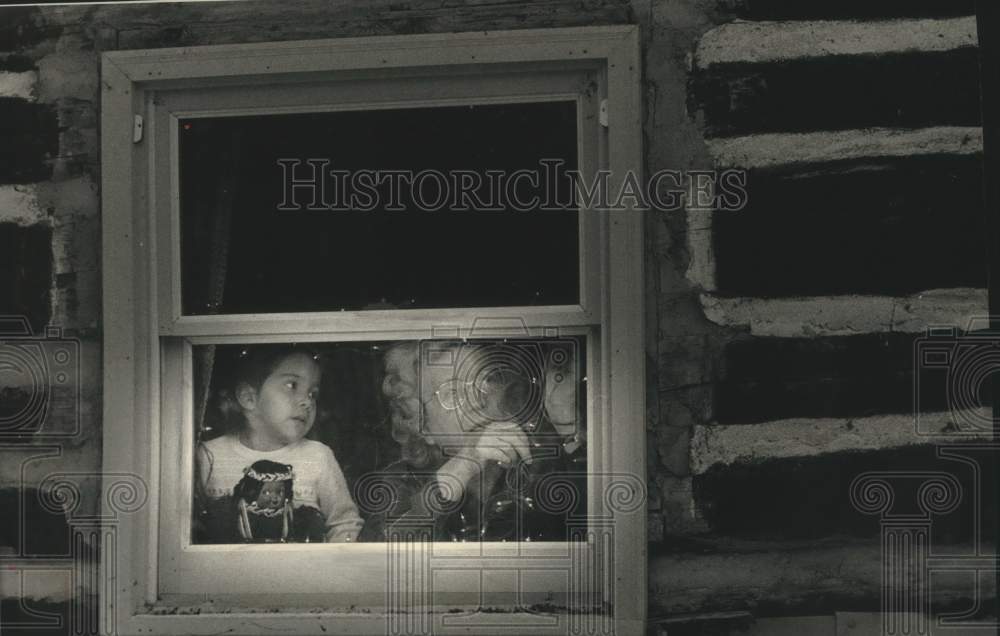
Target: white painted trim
(377, 324)
(624, 344)
(133, 326)
(760, 42)
(126, 446)
(353, 54)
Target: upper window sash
(518, 84)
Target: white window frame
(147, 342)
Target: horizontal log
(191, 24)
(16, 63)
(44, 616)
(888, 228)
(761, 359)
(891, 90)
(844, 9)
(781, 579)
(797, 149)
(807, 498)
(838, 396)
(702, 623)
(26, 272)
(758, 42)
(831, 624)
(23, 27)
(30, 134)
(770, 379)
(721, 445)
(29, 529)
(846, 315)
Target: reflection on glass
(406, 208)
(336, 442)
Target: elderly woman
(491, 443)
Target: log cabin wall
(780, 338)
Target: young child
(274, 395)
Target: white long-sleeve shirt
(319, 482)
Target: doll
(264, 502)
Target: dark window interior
(241, 254)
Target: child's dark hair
(259, 473)
(251, 365)
(254, 364)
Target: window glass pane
(404, 208)
(395, 415)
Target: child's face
(284, 409)
(272, 495)
(400, 382)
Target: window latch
(137, 129)
(602, 115)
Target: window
(236, 222)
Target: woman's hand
(501, 442)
